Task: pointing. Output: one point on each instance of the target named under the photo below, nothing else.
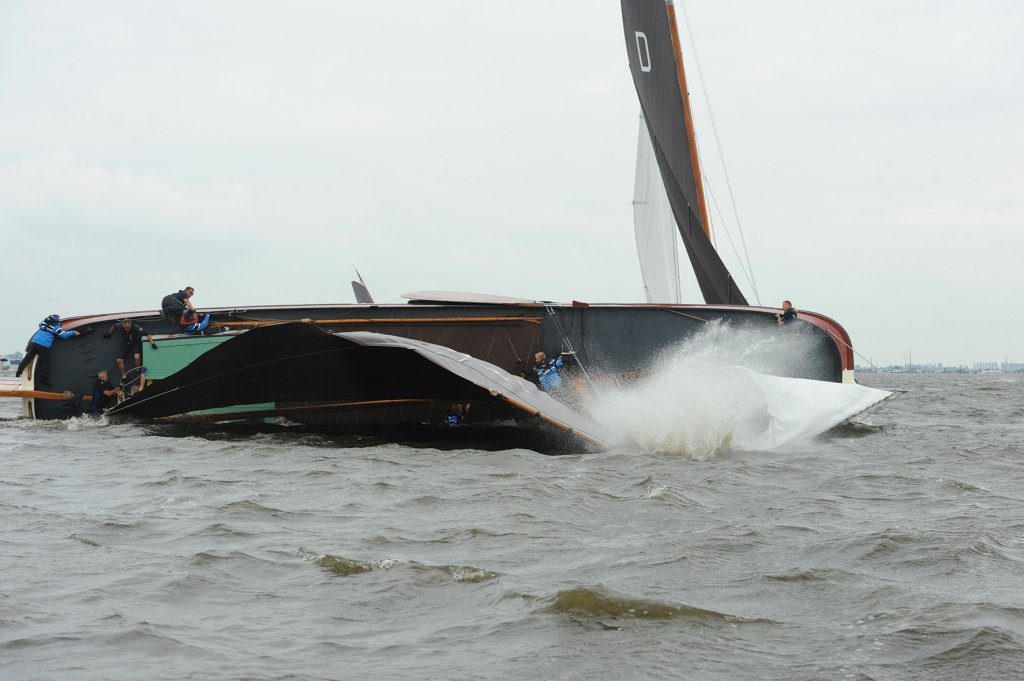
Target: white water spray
(725, 388)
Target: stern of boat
(19, 387)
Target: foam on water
(725, 388)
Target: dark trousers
(71, 407)
(101, 402)
(42, 372)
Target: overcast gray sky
(257, 150)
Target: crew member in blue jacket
(40, 344)
(191, 325)
(547, 371)
(457, 416)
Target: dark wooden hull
(610, 340)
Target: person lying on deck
(191, 325)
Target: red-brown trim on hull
(830, 326)
(835, 331)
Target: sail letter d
(643, 52)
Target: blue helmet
(52, 319)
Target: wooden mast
(690, 135)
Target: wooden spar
(395, 320)
(690, 134)
(532, 410)
(36, 394)
(290, 411)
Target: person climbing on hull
(40, 345)
(174, 305)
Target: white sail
(656, 237)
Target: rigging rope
(565, 339)
(873, 365)
(748, 275)
(721, 156)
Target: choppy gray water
(891, 550)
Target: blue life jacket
(46, 333)
(197, 326)
(451, 421)
(547, 374)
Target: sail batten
(656, 70)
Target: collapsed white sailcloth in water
(799, 408)
(700, 411)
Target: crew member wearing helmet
(192, 325)
(40, 344)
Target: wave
(219, 530)
(936, 552)
(807, 575)
(84, 540)
(344, 567)
(967, 649)
(347, 567)
(250, 507)
(980, 644)
(593, 603)
(154, 638)
(469, 574)
(855, 429)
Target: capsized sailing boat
(351, 364)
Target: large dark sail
(653, 62)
